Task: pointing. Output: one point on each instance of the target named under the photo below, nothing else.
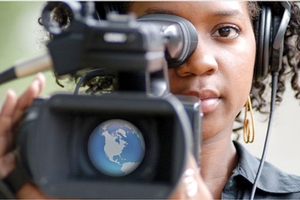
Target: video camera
(131, 143)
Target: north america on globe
(116, 147)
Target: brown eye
(227, 32)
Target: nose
(201, 62)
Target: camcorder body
(131, 143)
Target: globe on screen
(116, 147)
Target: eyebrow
(222, 13)
(228, 13)
(158, 11)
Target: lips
(209, 104)
(209, 99)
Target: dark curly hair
(290, 66)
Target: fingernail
(190, 183)
(10, 92)
(36, 82)
(40, 78)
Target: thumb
(191, 185)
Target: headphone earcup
(262, 28)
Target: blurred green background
(22, 37)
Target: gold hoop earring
(249, 133)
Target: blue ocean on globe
(116, 147)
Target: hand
(191, 185)
(11, 113)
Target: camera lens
(116, 147)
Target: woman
(220, 73)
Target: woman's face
(220, 70)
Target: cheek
(175, 81)
(240, 65)
(237, 71)
(241, 73)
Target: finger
(194, 184)
(9, 104)
(7, 164)
(13, 109)
(6, 140)
(191, 185)
(27, 97)
(30, 191)
(6, 135)
(7, 112)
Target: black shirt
(273, 183)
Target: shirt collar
(272, 179)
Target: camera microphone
(28, 67)
(180, 37)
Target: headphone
(269, 30)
